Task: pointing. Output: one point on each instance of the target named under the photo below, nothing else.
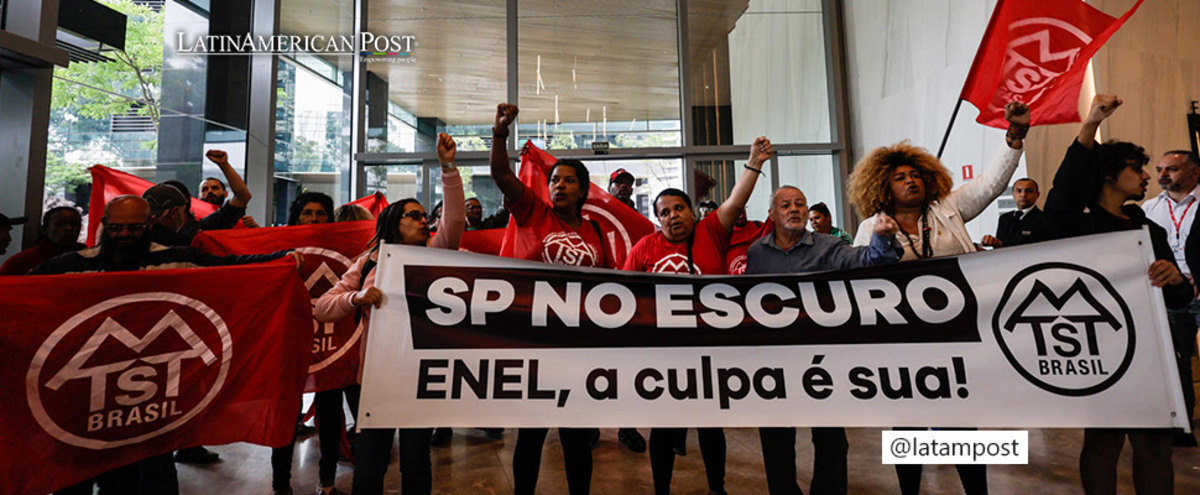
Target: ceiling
(614, 56)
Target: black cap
(9, 222)
(164, 197)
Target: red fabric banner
(1036, 51)
(104, 369)
(329, 250)
(108, 183)
(622, 226)
(486, 241)
(374, 203)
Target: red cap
(616, 175)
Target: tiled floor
(475, 464)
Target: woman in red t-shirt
(683, 245)
(550, 230)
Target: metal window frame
(838, 147)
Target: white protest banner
(1059, 334)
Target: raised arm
(241, 193)
(1103, 107)
(454, 216)
(973, 197)
(502, 172)
(760, 152)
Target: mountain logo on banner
(141, 365)
(738, 265)
(1032, 61)
(568, 248)
(328, 345)
(673, 263)
(1065, 329)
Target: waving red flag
(329, 250)
(622, 226)
(104, 369)
(108, 183)
(374, 203)
(1036, 51)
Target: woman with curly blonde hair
(912, 186)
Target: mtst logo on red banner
(140, 382)
(329, 250)
(106, 369)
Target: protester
(792, 249)
(620, 186)
(706, 207)
(1173, 209)
(311, 208)
(1090, 195)
(698, 247)
(559, 235)
(1023, 225)
(822, 223)
(403, 222)
(913, 187)
(59, 234)
(126, 246)
(351, 213)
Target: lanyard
(926, 247)
(1179, 223)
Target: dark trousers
(1183, 337)
(373, 452)
(662, 456)
(1153, 471)
(972, 476)
(577, 459)
(151, 476)
(331, 424)
(829, 464)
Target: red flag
(1036, 51)
(374, 203)
(104, 369)
(622, 226)
(485, 241)
(329, 250)
(108, 183)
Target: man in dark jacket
(1023, 225)
(1091, 189)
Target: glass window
(590, 73)
(758, 69)
(814, 175)
(723, 174)
(396, 182)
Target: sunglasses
(116, 228)
(416, 215)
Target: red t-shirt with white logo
(655, 254)
(542, 236)
(743, 237)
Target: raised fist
(1103, 107)
(505, 115)
(217, 156)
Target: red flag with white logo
(108, 183)
(1036, 51)
(621, 225)
(374, 203)
(329, 249)
(104, 369)
(484, 241)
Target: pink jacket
(335, 303)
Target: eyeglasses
(416, 215)
(116, 228)
(473, 208)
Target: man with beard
(620, 185)
(793, 249)
(59, 234)
(126, 246)
(1174, 209)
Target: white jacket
(963, 204)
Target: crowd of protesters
(910, 211)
